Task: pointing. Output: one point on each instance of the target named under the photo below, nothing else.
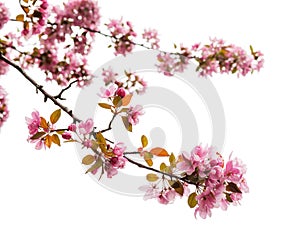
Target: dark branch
(59, 96)
(40, 88)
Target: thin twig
(110, 124)
(63, 90)
(40, 88)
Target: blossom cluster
(4, 15)
(3, 106)
(216, 57)
(217, 183)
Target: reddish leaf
(48, 141)
(159, 152)
(104, 105)
(20, 17)
(44, 123)
(117, 101)
(149, 162)
(37, 135)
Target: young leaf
(178, 187)
(104, 105)
(37, 135)
(163, 167)
(149, 162)
(117, 101)
(159, 152)
(44, 123)
(192, 201)
(95, 166)
(172, 160)
(232, 187)
(55, 139)
(126, 100)
(55, 116)
(88, 159)
(144, 141)
(147, 155)
(48, 141)
(127, 124)
(152, 177)
(20, 17)
(102, 142)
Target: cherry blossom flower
(150, 35)
(119, 149)
(151, 191)
(109, 76)
(86, 127)
(167, 196)
(206, 202)
(4, 15)
(3, 106)
(107, 92)
(134, 113)
(121, 92)
(72, 127)
(33, 123)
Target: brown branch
(110, 124)
(59, 96)
(40, 88)
(161, 172)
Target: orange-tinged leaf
(44, 123)
(159, 152)
(152, 177)
(178, 187)
(192, 201)
(55, 116)
(55, 139)
(104, 105)
(37, 135)
(88, 159)
(126, 100)
(149, 162)
(20, 17)
(144, 141)
(48, 141)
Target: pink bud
(72, 127)
(121, 92)
(66, 136)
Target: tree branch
(58, 96)
(110, 124)
(40, 88)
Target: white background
(45, 196)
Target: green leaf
(126, 100)
(37, 135)
(55, 116)
(152, 177)
(192, 201)
(159, 152)
(95, 166)
(232, 187)
(148, 155)
(88, 159)
(127, 124)
(55, 139)
(144, 141)
(105, 106)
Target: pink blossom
(110, 170)
(167, 196)
(206, 202)
(3, 106)
(4, 15)
(107, 92)
(119, 149)
(123, 35)
(186, 165)
(39, 144)
(151, 37)
(86, 127)
(151, 191)
(87, 143)
(134, 113)
(121, 92)
(33, 123)
(109, 76)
